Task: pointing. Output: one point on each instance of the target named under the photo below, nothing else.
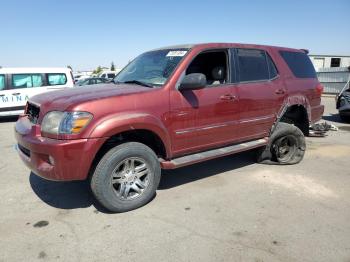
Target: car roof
(23, 70)
(186, 46)
(227, 45)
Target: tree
(112, 66)
(97, 71)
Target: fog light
(51, 160)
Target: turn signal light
(79, 124)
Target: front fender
(121, 122)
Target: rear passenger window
(272, 68)
(299, 63)
(56, 79)
(26, 80)
(2, 82)
(252, 65)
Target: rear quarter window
(299, 63)
(56, 79)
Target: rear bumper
(60, 160)
(12, 111)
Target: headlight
(51, 122)
(56, 122)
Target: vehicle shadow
(184, 175)
(77, 194)
(5, 119)
(333, 118)
(64, 195)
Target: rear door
(260, 91)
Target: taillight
(319, 89)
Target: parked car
(17, 85)
(108, 74)
(343, 102)
(169, 108)
(78, 78)
(92, 81)
(343, 105)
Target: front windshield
(152, 68)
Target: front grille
(24, 150)
(33, 112)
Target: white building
(328, 61)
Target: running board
(211, 154)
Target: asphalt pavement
(227, 209)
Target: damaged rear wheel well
(297, 115)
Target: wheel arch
(295, 110)
(114, 125)
(131, 127)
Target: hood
(62, 99)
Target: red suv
(168, 108)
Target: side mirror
(193, 81)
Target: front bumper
(53, 159)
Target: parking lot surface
(228, 209)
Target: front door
(208, 117)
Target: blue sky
(85, 34)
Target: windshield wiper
(137, 82)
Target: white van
(109, 74)
(18, 84)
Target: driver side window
(213, 64)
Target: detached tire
(126, 177)
(286, 146)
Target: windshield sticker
(177, 53)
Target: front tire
(286, 146)
(126, 177)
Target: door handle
(279, 91)
(16, 94)
(227, 97)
